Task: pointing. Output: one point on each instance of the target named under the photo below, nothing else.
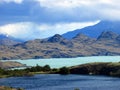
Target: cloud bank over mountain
(28, 30)
(54, 16)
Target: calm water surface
(60, 62)
(63, 82)
(68, 82)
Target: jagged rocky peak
(56, 38)
(83, 39)
(108, 35)
(59, 39)
(80, 36)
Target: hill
(109, 69)
(107, 44)
(10, 64)
(8, 40)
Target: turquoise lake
(60, 62)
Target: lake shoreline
(107, 69)
(89, 69)
(68, 62)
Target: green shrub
(64, 70)
(46, 68)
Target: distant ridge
(95, 30)
(107, 44)
(8, 40)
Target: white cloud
(75, 3)
(29, 30)
(64, 3)
(15, 1)
(102, 9)
(23, 30)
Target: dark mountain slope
(95, 30)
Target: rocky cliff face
(108, 43)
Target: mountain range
(102, 39)
(108, 43)
(95, 30)
(91, 31)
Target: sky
(30, 19)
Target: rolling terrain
(107, 44)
